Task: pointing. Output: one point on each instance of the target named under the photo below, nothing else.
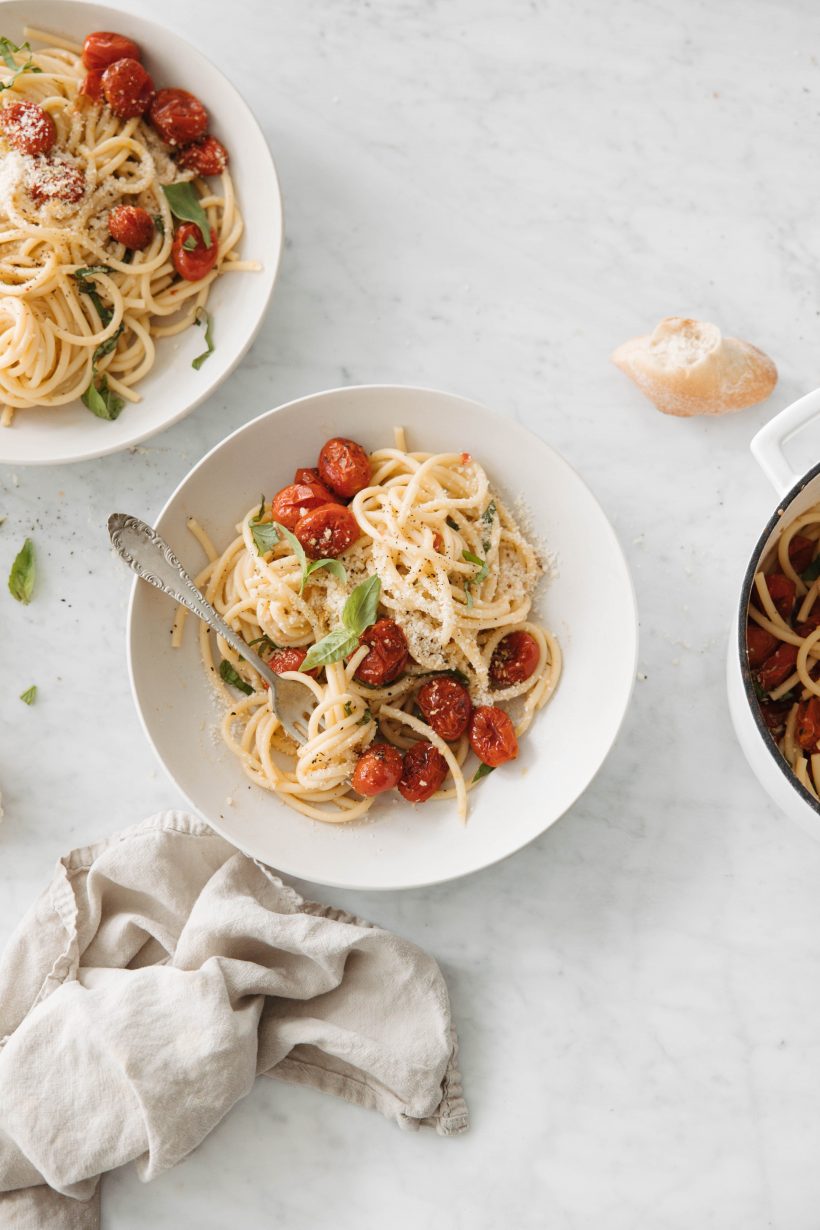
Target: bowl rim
(634, 623)
(776, 519)
(269, 271)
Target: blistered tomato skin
(92, 86)
(514, 659)
(759, 645)
(379, 768)
(28, 127)
(344, 466)
(103, 48)
(127, 87)
(807, 725)
(294, 502)
(289, 658)
(193, 263)
(424, 772)
(206, 157)
(446, 706)
(307, 474)
(492, 736)
(132, 226)
(178, 117)
(327, 531)
(778, 666)
(388, 653)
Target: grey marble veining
(488, 198)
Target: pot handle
(767, 445)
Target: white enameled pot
(797, 493)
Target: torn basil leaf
(203, 317)
(101, 401)
(481, 565)
(29, 696)
(358, 613)
(184, 204)
(7, 51)
(23, 572)
(482, 771)
(230, 675)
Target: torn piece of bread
(687, 367)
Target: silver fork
(152, 559)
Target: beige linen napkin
(159, 973)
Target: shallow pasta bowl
(589, 604)
(237, 301)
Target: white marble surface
(487, 197)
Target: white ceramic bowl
(590, 605)
(49, 436)
(797, 492)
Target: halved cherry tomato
(103, 48)
(807, 724)
(206, 156)
(423, 772)
(191, 258)
(28, 127)
(379, 768)
(801, 552)
(759, 645)
(291, 503)
(388, 653)
(783, 591)
(92, 87)
(131, 225)
(179, 117)
(492, 736)
(344, 466)
(778, 666)
(59, 181)
(127, 87)
(514, 659)
(446, 706)
(290, 658)
(307, 474)
(327, 531)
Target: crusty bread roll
(687, 367)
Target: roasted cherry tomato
(388, 653)
(783, 591)
(131, 225)
(289, 658)
(379, 768)
(92, 86)
(807, 724)
(127, 87)
(28, 127)
(492, 736)
(423, 772)
(759, 645)
(307, 474)
(514, 659)
(102, 48)
(810, 624)
(327, 531)
(292, 503)
(775, 714)
(191, 258)
(179, 117)
(446, 706)
(58, 181)
(344, 466)
(206, 156)
(801, 552)
(778, 666)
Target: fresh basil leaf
(489, 513)
(88, 271)
(264, 640)
(452, 524)
(29, 696)
(331, 648)
(184, 204)
(482, 771)
(85, 287)
(108, 345)
(760, 691)
(102, 402)
(812, 572)
(231, 676)
(332, 565)
(366, 717)
(190, 244)
(468, 593)
(23, 572)
(480, 563)
(361, 608)
(265, 536)
(7, 50)
(298, 551)
(203, 317)
(348, 708)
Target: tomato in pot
(514, 659)
(379, 768)
(778, 666)
(178, 117)
(759, 644)
(327, 531)
(807, 724)
(28, 127)
(388, 653)
(810, 624)
(446, 706)
(344, 466)
(289, 658)
(131, 225)
(775, 714)
(104, 47)
(783, 592)
(423, 772)
(206, 157)
(190, 255)
(127, 88)
(492, 736)
(292, 503)
(801, 552)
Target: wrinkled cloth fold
(157, 976)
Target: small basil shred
(203, 317)
(482, 771)
(8, 49)
(230, 675)
(23, 573)
(30, 695)
(101, 401)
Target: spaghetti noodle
(450, 579)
